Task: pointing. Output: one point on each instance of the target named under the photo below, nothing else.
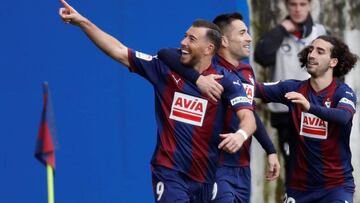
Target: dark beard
(193, 61)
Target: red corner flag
(45, 150)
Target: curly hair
(346, 59)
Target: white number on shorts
(214, 191)
(159, 190)
(288, 199)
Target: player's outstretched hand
(298, 98)
(209, 86)
(69, 15)
(273, 167)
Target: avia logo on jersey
(188, 109)
(313, 126)
(249, 89)
(143, 56)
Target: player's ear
(210, 49)
(224, 41)
(333, 62)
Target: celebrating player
(233, 177)
(186, 154)
(321, 111)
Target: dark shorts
(333, 195)
(171, 186)
(233, 184)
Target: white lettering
(188, 109)
(313, 126)
(237, 100)
(214, 191)
(160, 190)
(143, 56)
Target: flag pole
(50, 183)
(45, 148)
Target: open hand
(298, 98)
(209, 86)
(273, 167)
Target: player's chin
(185, 59)
(246, 54)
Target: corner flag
(45, 149)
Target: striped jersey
(245, 74)
(320, 156)
(188, 123)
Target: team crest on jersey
(188, 109)
(143, 56)
(252, 80)
(313, 126)
(328, 103)
(249, 89)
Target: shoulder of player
(344, 89)
(143, 56)
(286, 83)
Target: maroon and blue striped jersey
(188, 122)
(245, 74)
(320, 156)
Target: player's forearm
(107, 43)
(171, 57)
(335, 115)
(262, 136)
(247, 121)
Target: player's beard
(318, 71)
(192, 61)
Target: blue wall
(104, 115)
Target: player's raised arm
(101, 39)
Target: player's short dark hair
(341, 51)
(224, 20)
(213, 32)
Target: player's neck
(203, 64)
(228, 57)
(320, 83)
